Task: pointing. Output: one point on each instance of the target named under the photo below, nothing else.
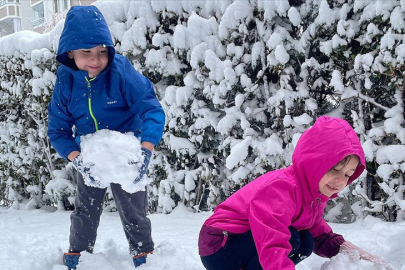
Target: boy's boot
(140, 259)
(71, 260)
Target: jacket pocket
(211, 239)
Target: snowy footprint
(168, 256)
(94, 261)
(100, 261)
(165, 256)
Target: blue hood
(85, 28)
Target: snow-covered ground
(36, 239)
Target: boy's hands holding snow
(355, 252)
(78, 163)
(146, 153)
(109, 156)
(84, 169)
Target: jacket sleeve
(60, 121)
(141, 98)
(270, 213)
(327, 243)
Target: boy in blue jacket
(98, 89)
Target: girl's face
(335, 180)
(93, 60)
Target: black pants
(302, 244)
(86, 217)
(240, 252)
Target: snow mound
(342, 261)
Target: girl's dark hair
(341, 164)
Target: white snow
(36, 239)
(281, 54)
(239, 153)
(294, 16)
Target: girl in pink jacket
(276, 221)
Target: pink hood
(288, 197)
(321, 147)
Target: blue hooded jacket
(119, 98)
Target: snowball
(108, 154)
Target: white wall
(26, 14)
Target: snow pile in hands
(113, 157)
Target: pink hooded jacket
(287, 197)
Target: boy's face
(335, 180)
(93, 60)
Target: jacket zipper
(225, 238)
(313, 212)
(89, 102)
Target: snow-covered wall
(239, 81)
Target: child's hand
(84, 170)
(355, 252)
(146, 159)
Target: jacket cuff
(328, 245)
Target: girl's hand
(355, 252)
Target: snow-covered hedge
(239, 81)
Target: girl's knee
(307, 243)
(302, 244)
(295, 240)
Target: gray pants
(86, 217)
